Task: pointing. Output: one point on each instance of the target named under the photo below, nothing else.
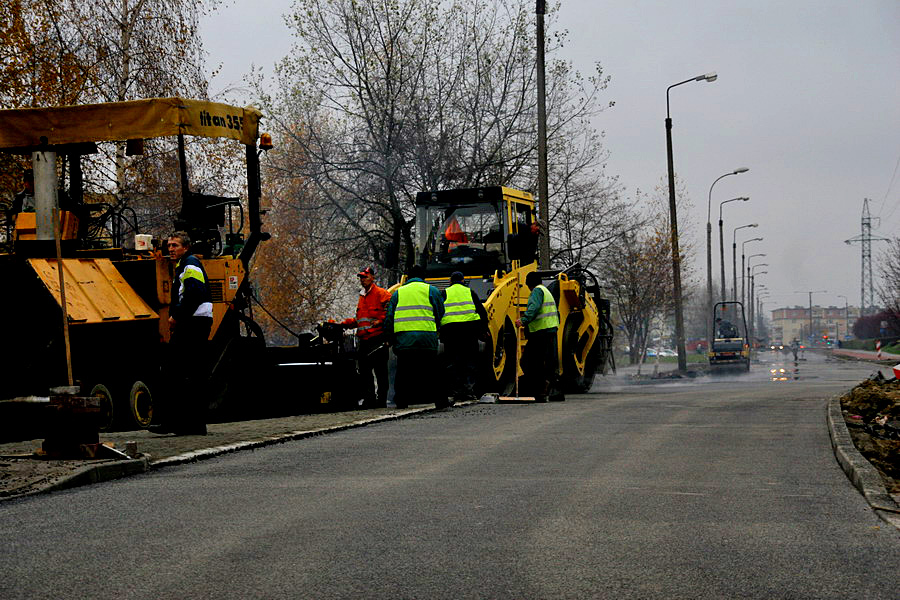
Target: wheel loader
(486, 233)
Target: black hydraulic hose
(273, 317)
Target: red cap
(367, 271)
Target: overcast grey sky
(808, 98)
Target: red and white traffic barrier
(896, 369)
(878, 349)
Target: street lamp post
(709, 293)
(811, 292)
(752, 299)
(846, 317)
(721, 241)
(734, 260)
(761, 302)
(761, 292)
(673, 224)
(746, 298)
(743, 251)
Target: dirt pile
(872, 413)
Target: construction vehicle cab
(730, 348)
(487, 235)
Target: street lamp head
(752, 225)
(708, 77)
(741, 170)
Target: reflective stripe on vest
(364, 323)
(414, 311)
(548, 316)
(459, 307)
(193, 272)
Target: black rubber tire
(505, 350)
(108, 409)
(573, 381)
(140, 404)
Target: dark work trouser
(415, 381)
(461, 355)
(373, 360)
(539, 361)
(189, 346)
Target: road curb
(89, 474)
(206, 453)
(860, 471)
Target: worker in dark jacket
(541, 319)
(464, 322)
(190, 323)
(413, 316)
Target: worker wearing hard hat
(464, 321)
(372, 355)
(413, 317)
(541, 320)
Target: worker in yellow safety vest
(541, 320)
(414, 314)
(464, 322)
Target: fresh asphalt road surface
(719, 488)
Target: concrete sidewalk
(23, 473)
(886, 357)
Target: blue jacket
(415, 340)
(190, 290)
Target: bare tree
(71, 52)
(386, 99)
(889, 286)
(300, 281)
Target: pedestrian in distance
(413, 317)
(541, 322)
(372, 353)
(463, 323)
(190, 322)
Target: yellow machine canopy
(134, 119)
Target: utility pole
(543, 188)
(865, 238)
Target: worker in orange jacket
(372, 356)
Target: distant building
(836, 322)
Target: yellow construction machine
(486, 233)
(102, 319)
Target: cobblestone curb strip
(280, 439)
(860, 471)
